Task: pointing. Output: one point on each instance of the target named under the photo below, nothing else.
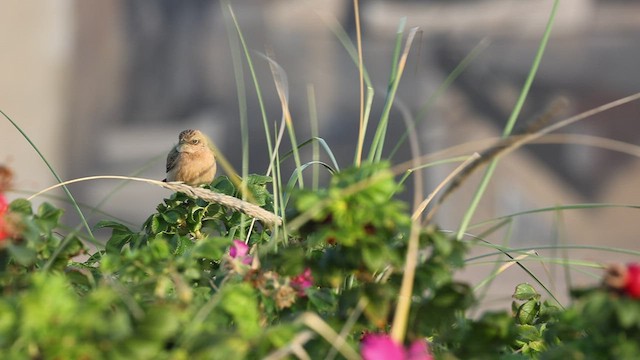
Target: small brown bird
(191, 161)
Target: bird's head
(191, 141)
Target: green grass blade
(501, 250)
(282, 87)
(585, 206)
(510, 123)
(66, 190)
(346, 42)
(315, 147)
(324, 145)
(296, 175)
(397, 67)
(486, 283)
(361, 127)
(396, 53)
(238, 73)
(254, 76)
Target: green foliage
(599, 325)
(186, 286)
(532, 318)
(169, 290)
(38, 243)
(356, 223)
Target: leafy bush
(184, 286)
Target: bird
(192, 160)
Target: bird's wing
(172, 158)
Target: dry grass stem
(229, 201)
(423, 205)
(318, 325)
(294, 347)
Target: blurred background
(104, 88)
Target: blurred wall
(37, 49)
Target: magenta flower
(382, 347)
(419, 350)
(4, 228)
(240, 250)
(302, 281)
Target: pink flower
(302, 281)
(632, 281)
(240, 250)
(419, 350)
(382, 347)
(4, 230)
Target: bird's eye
(195, 141)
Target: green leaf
(222, 184)
(528, 312)
(289, 261)
(180, 244)
(48, 217)
(157, 225)
(375, 256)
(112, 225)
(8, 323)
(172, 217)
(210, 248)
(21, 206)
(23, 255)
(279, 336)
(257, 179)
(257, 186)
(537, 345)
(525, 292)
(323, 300)
(628, 313)
(196, 215)
(379, 304)
(159, 323)
(120, 236)
(240, 301)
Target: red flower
(4, 204)
(632, 281)
(382, 347)
(302, 282)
